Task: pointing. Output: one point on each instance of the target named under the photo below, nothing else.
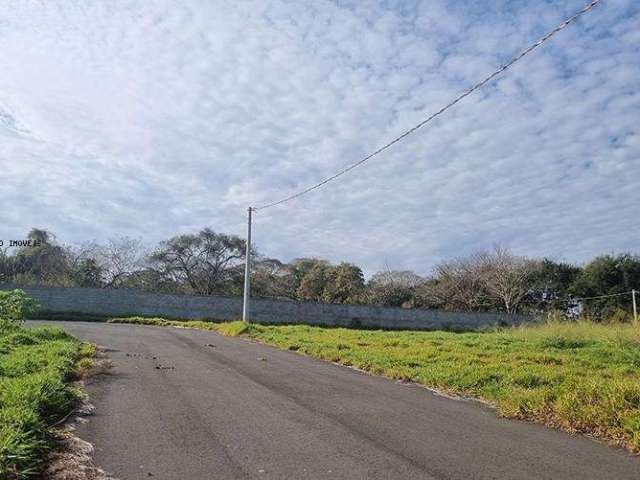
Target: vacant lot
(35, 366)
(581, 376)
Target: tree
(484, 281)
(393, 288)
(207, 262)
(314, 282)
(301, 266)
(506, 277)
(273, 279)
(6, 267)
(344, 284)
(117, 261)
(551, 284)
(456, 285)
(87, 273)
(43, 261)
(150, 280)
(607, 275)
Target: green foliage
(274, 279)
(87, 273)
(23, 439)
(211, 263)
(43, 262)
(345, 284)
(230, 329)
(7, 270)
(314, 282)
(206, 262)
(607, 275)
(551, 284)
(158, 322)
(302, 266)
(35, 365)
(233, 329)
(342, 283)
(392, 296)
(15, 306)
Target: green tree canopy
(344, 284)
(44, 261)
(208, 262)
(313, 283)
(607, 275)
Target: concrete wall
(120, 302)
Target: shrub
(15, 306)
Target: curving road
(187, 404)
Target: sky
(149, 119)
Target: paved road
(240, 410)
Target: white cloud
(152, 118)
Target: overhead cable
(457, 99)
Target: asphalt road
(187, 404)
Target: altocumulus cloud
(152, 118)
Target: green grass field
(35, 368)
(581, 377)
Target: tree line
(210, 263)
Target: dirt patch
(72, 459)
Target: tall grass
(581, 331)
(35, 366)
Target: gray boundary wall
(130, 302)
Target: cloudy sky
(151, 118)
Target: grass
(580, 376)
(230, 329)
(36, 365)
(75, 316)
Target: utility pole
(635, 308)
(247, 271)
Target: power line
(466, 93)
(603, 296)
(575, 299)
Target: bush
(15, 306)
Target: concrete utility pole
(635, 308)
(247, 271)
